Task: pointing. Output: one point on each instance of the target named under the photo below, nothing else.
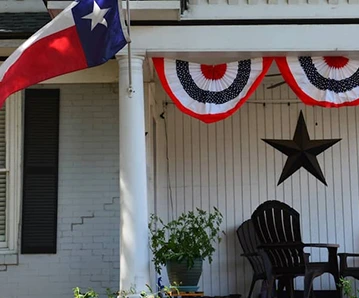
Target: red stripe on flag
(49, 57)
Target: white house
(88, 125)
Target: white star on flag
(97, 16)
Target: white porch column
(134, 253)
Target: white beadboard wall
(227, 165)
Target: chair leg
(281, 286)
(312, 295)
(308, 284)
(270, 287)
(290, 288)
(337, 281)
(251, 288)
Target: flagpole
(130, 90)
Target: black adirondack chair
(278, 228)
(249, 241)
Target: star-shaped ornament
(301, 152)
(97, 16)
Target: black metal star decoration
(301, 152)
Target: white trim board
(228, 42)
(140, 10)
(264, 10)
(22, 6)
(245, 41)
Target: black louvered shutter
(41, 148)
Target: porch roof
(21, 25)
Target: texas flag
(87, 33)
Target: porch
(227, 165)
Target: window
(10, 172)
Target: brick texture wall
(88, 216)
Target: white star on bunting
(97, 16)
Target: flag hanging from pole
(86, 34)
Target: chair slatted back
(249, 242)
(277, 223)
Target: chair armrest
(321, 245)
(344, 254)
(252, 254)
(343, 260)
(332, 251)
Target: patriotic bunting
(323, 81)
(210, 92)
(213, 92)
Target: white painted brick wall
(88, 217)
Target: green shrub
(346, 285)
(89, 294)
(163, 292)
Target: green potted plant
(346, 285)
(183, 244)
(89, 294)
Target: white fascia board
(22, 6)
(245, 41)
(234, 42)
(140, 10)
(147, 4)
(154, 10)
(58, 4)
(270, 11)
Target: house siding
(88, 211)
(227, 165)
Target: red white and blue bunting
(213, 92)
(323, 81)
(210, 92)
